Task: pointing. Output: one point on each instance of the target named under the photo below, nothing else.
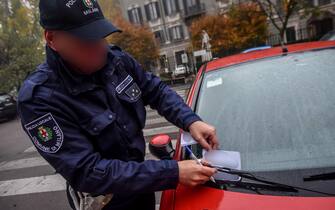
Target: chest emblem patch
(124, 84)
(133, 92)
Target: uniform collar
(74, 82)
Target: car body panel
(276, 51)
(208, 198)
(211, 199)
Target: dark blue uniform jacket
(89, 128)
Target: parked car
(276, 108)
(7, 107)
(180, 70)
(330, 36)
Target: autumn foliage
(243, 26)
(137, 40)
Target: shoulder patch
(45, 133)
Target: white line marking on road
(23, 163)
(165, 129)
(156, 121)
(32, 185)
(153, 113)
(30, 149)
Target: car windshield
(277, 112)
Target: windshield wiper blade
(323, 176)
(250, 176)
(256, 187)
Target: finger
(215, 142)
(196, 183)
(204, 182)
(212, 144)
(204, 144)
(202, 179)
(205, 163)
(208, 171)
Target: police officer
(84, 110)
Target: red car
(277, 109)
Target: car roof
(276, 51)
(256, 49)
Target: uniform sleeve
(162, 98)
(62, 143)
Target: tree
(4, 14)
(243, 26)
(139, 41)
(246, 26)
(279, 12)
(21, 47)
(111, 8)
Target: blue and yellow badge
(45, 133)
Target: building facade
(307, 27)
(300, 27)
(169, 19)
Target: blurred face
(83, 56)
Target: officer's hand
(205, 134)
(192, 174)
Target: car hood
(200, 198)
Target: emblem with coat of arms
(88, 3)
(44, 133)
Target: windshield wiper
(270, 185)
(317, 177)
(256, 187)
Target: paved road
(27, 182)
